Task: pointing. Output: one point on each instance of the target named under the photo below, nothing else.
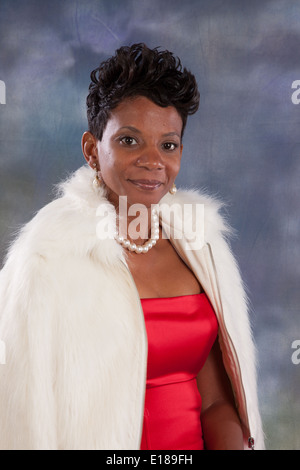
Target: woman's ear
(89, 149)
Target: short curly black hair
(139, 71)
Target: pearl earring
(173, 189)
(97, 179)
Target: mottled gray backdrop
(243, 144)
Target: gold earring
(97, 180)
(173, 189)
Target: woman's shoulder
(67, 224)
(192, 205)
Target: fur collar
(69, 224)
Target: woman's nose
(150, 159)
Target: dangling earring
(97, 180)
(173, 189)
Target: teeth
(147, 184)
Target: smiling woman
(117, 342)
(140, 151)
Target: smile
(148, 185)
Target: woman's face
(140, 151)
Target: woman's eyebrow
(170, 134)
(129, 128)
(134, 129)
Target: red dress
(181, 331)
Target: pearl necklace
(149, 244)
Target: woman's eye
(127, 140)
(170, 146)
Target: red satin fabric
(181, 331)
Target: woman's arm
(220, 421)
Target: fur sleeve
(27, 405)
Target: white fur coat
(73, 328)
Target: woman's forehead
(140, 113)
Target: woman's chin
(138, 196)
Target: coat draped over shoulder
(73, 327)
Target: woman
(122, 309)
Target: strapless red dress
(181, 331)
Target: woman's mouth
(147, 185)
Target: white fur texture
(71, 320)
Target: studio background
(242, 146)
